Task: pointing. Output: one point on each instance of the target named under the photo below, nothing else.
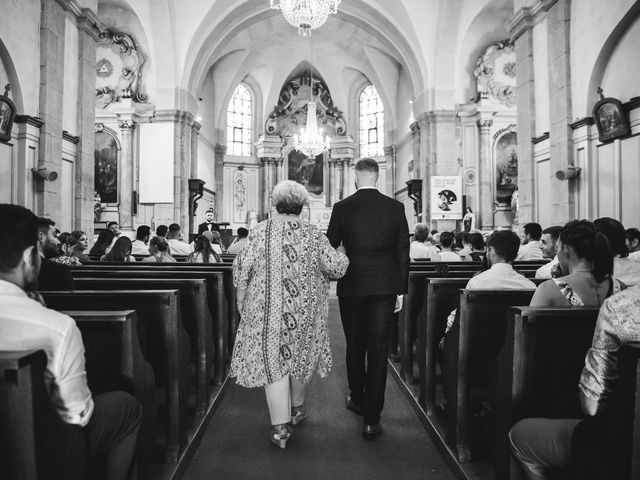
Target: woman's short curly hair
(289, 197)
(420, 232)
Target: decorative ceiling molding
(290, 114)
(495, 74)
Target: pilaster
(486, 171)
(218, 176)
(125, 174)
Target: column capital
(390, 150)
(127, 126)
(220, 149)
(268, 160)
(525, 18)
(415, 127)
(196, 126)
(484, 124)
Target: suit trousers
(367, 322)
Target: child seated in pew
(586, 262)
(110, 420)
(545, 446)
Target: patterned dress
(285, 267)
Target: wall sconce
(42, 174)
(568, 173)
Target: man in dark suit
(208, 224)
(374, 232)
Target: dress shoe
(280, 434)
(354, 407)
(297, 415)
(371, 431)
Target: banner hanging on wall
(446, 198)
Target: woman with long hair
(79, 245)
(120, 252)
(102, 243)
(624, 269)
(159, 251)
(203, 252)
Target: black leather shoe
(370, 432)
(351, 405)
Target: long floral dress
(285, 267)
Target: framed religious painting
(610, 119)
(7, 114)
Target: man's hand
(341, 249)
(399, 302)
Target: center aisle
(327, 445)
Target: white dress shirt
(421, 250)
(236, 246)
(447, 256)
(626, 270)
(179, 248)
(545, 270)
(530, 251)
(635, 256)
(27, 325)
(138, 247)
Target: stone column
(345, 177)
(52, 37)
(485, 172)
(125, 174)
(424, 165)
(279, 163)
(268, 164)
(195, 133)
(218, 171)
(390, 155)
(333, 186)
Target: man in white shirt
(447, 254)
(173, 239)
(239, 243)
(422, 246)
(549, 246)
(530, 250)
(111, 420)
(633, 243)
(140, 245)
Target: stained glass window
(371, 123)
(239, 120)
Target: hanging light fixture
(307, 15)
(310, 141)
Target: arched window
(371, 123)
(239, 121)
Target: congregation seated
(586, 265)
(140, 245)
(624, 269)
(65, 249)
(240, 241)
(203, 252)
(545, 446)
(79, 245)
(549, 246)
(159, 251)
(161, 231)
(633, 243)
(214, 239)
(447, 254)
(530, 250)
(53, 275)
(120, 252)
(477, 252)
(177, 246)
(105, 237)
(422, 247)
(464, 248)
(110, 420)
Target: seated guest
(53, 275)
(447, 254)
(139, 245)
(545, 446)
(115, 228)
(173, 239)
(478, 251)
(110, 420)
(216, 242)
(240, 241)
(202, 252)
(105, 237)
(624, 269)
(65, 250)
(530, 250)
(161, 231)
(159, 251)
(549, 246)
(465, 239)
(633, 243)
(80, 245)
(586, 265)
(420, 246)
(121, 251)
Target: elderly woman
(282, 280)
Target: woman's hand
(241, 294)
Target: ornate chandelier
(310, 141)
(307, 15)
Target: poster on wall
(446, 198)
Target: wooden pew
(474, 340)
(114, 361)
(195, 315)
(629, 362)
(163, 340)
(35, 443)
(537, 372)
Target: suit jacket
(203, 227)
(373, 229)
(54, 276)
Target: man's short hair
(420, 232)
(505, 243)
(553, 231)
(446, 239)
(19, 231)
(633, 234)
(44, 224)
(615, 233)
(476, 240)
(243, 232)
(210, 210)
(174, 228)
(111, 223)
(143, 231)
(534, 230)
(368, 165)
(161, 231)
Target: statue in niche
(307, 171)
(106, 167)
(506, 157)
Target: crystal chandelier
(307, 15)
(310, 141)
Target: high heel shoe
(279, 435)
(297, 415)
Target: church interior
(153, 112)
